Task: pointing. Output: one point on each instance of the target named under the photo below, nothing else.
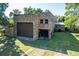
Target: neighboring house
(59, 26)
(34, 26)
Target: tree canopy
(72, 14)
(14, 12)
(31, 10)
(3, 18)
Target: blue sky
(55, 8)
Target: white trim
(44, 21)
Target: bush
(76, 28)
(10, 22)
(2, 31)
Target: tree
(29, 10)
(11, 14)
(62, 18)
(7, 43)
(72, 14)
(25, 11)
(72, 9)
(3, 7)
(32, 11)
(38, 11)
(14, 12)
(3, 18)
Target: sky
(54, 8)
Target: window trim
(43, 21)
(46, 21)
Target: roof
(60, 23)
(48, 13)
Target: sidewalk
(40, 52)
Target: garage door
(25, 29)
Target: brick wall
(35, 19)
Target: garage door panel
(25, 29)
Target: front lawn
(62, 43)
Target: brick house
(34, 26)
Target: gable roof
(47, 12)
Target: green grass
(61, 40)
(67, 42)
(58, 41)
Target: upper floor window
(41, 21)
(44, 21)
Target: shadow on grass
(60, 42)
(8, 47)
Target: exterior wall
(35, 19)
(27, 19)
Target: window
(41, 21)
(46, 21)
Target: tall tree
(72, 14)
(8, 42)
(31, 10)
(38, 11)
(28, 10)
(62, 18)
(72, 9)
(25, 11)
(11, 15)
(3, 18)
(14, 12)
(34, 11)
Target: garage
(25, 29)
(43, 33)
